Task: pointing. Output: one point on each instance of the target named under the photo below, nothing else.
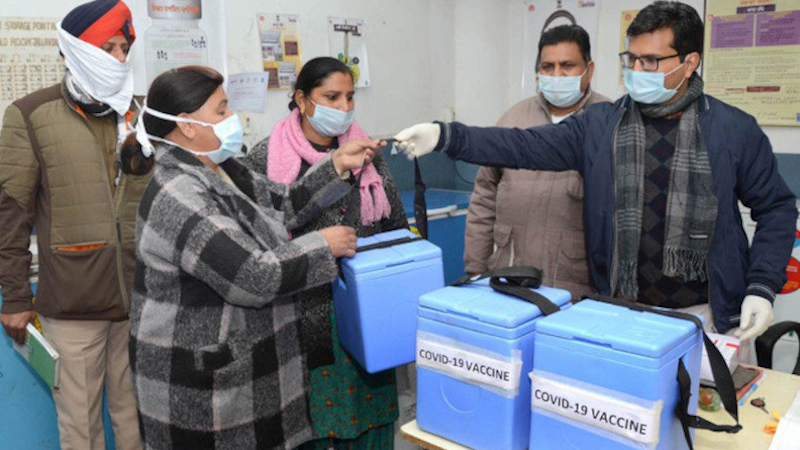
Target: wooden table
(778, 391)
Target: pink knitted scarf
(288, 147)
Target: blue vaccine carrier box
(375, 298)
(605, 377)
(474, 351)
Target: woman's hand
(341, 240)
(354, 154)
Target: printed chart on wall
(752, 49)
(29, 57)
(542, 15)
(347, 43)
(280, 48)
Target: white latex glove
(418, 140)
(756, 317)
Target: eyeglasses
(649, 63)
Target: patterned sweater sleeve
(308, 197)
(211, 246)
(256, 158)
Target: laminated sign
(602, 411)
(498, 373)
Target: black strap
(766, 342)
(393, 242)
(722, 376)
(516, 281)
(366, 248)
(354, 202)
(420, 207)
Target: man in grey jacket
(527, 217)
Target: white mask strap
(145, 138)
(172, 118)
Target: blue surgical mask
(228, 131)
(329, 121)
(561, 91)
(648, 87)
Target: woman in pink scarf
(349, 407)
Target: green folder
(42, 357)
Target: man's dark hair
(566, 33)
(681, 18)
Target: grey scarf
(691, 205)
(86, 101)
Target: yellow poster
(625, 22)
(280, 48)
(752, 57)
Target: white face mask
(648, 87)
(330, 121)
(562, 91)
(228, 131)
(101, 75)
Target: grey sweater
(215, 348)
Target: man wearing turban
(59, 178)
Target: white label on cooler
(460, 361)
(600, 408)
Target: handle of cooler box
(420, 206)
(722, 376)
(419, 192)
(366, 248)
(393, 242)
(516, 281)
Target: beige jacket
(57, 174)
(525, 217)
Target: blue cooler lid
(372, 260)
(620, 328)
(469, 303)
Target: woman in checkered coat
(214, 329)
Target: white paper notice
(29, 58)
(248, 91)
(596, 408)
(463, 364)
(788, 434)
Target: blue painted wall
(27, 412)
(789, 167)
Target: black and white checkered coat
(215, 351)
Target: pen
(747, 394)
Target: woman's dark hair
(181, 90)
(682, 19)
(314, 73)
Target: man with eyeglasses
(664, 169)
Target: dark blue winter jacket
(743, 166)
